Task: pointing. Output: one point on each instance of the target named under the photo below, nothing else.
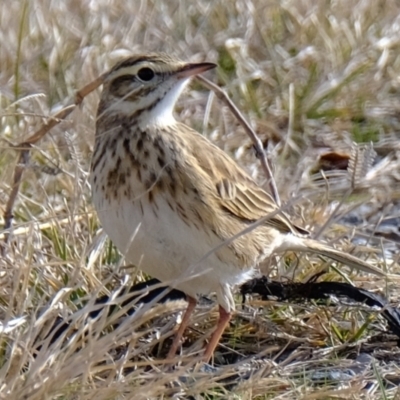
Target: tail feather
(295, 243)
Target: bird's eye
(145, 74)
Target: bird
(176, 205)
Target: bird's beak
(192, 69)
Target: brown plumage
(172, 201)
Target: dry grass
(312, 77)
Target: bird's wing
(250, 203)
(238, 194)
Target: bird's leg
(224, 318)
(185, 321)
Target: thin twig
(25, 146)
(249, 130)
(19, 169)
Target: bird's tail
(295, 243)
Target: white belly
(166, 248)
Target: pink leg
(185, 321)
(224, 318)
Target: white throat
(162, 113)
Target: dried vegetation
(313, 78)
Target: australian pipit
(168, 198)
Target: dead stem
(249, 130)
